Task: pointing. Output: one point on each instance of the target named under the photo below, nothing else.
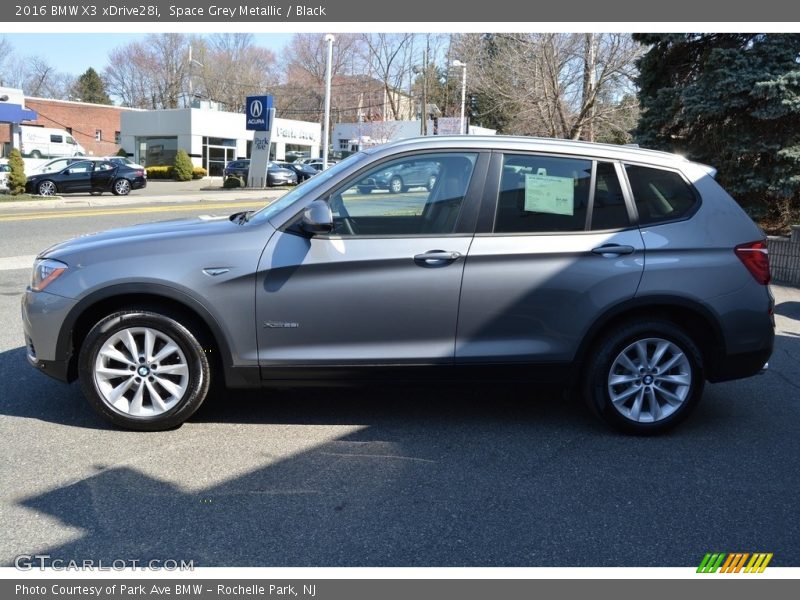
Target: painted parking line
(111, 211)
(11, 263)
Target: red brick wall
(84, 119)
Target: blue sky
(75, 52)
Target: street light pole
(325, 133)
(463, 65)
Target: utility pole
(326, 126)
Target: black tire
(36, 154)
(121, 187)
(195, 383)
(395, 185)
(654, 416)
(46, 188)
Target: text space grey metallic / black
(629, 273)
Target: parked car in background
(43, 142)
(53, 166)
(316, 164)
(628, 274)
(302, 170)
(93, 176)
(276, 174)
(402, 177)
(4, 171)
(124, 160)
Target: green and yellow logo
(734, 562)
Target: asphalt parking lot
(500, 474)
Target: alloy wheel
(649, 380)
(141, 372)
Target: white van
(43, 142)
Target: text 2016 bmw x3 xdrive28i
(629, 271)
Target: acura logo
(256, 108)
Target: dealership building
(212, 138)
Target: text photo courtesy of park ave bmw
(342, 308)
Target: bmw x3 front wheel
(143, 370)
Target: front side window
(414, 195)
(84, 166)
(542, 193)
(659, 195)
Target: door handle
(612, 250)
(434, 258)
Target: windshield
(307, 187)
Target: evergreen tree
(183, 166)
(90, 87)
(16, 178)
(732, 101)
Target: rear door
(555, 248)
(103, 174)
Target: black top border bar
(407, 11)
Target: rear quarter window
(660, 195)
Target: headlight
(45, 271)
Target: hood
(173, 231)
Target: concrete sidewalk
(157, 192)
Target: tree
(183, 166)
(303, 94)
(150, 74)
(551, 84)
(16, 178)
(90, 87)
(229, 67)
(732, 101)
(388, 56)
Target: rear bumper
(739, 366)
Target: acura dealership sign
(259, 113)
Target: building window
(157, 150)
(117, 137)
(69, 130)
(98, 135)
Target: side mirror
(317, 218)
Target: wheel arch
(696, 320)
(152, 297)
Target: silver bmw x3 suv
(629, 274)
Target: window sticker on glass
(549, 194)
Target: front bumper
(43, 316)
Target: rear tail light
(755, 257)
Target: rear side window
(659, 195)
(56, 139)
(542, 193)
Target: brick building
(96, 127)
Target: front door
(382, 288)
(77, 177)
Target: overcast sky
(74, 53)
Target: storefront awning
(14, 113)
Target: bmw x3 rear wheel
(646, 377)
(143, 370)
